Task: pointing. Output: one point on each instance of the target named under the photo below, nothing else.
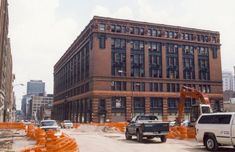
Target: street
(100, 139)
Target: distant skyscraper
(25, 106)
(35, 87)
(227, 80)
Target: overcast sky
(42, 30)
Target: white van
(216, 129)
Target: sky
(42, 30)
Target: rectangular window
(156, 102)
(136, 30)
(188, 50)
(205, 88)
(137, 65)
(170, 34)
(131, 30)
(203, 51)
(172, 105)
(149, 32)
(215, 50)
(139, 104)
(118, 29)
(102, 41)
(101, 27)
(155, 47)
(204, 69)
(113, 28)
(118, 43)
(172, 87)
(213, 39)
(172, 48)
(158, 33)
(118, 104)
(102, 105)
(156, 87)
(141, 31)
(156, 105)
(138, 86)
(123, 29)
(154, 32)
(119, 85)
(175, 35)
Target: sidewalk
(12, 140)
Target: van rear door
(223, 128)
(233, 130)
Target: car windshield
(67, 121)
(148, 118)
(48, 123)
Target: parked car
(147, 126)
(67, 124)
(26, 122)
(49, 124)
(216, 129)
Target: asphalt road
(99, 139)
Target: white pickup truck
(216, 129)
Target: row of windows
(156, 103)
(158, 33)
(155, 66)
(74, 71)
(155, 87)
(118, 43)
(75, 91)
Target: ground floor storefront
(118, 106)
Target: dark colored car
(147, 126)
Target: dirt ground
(14, 140)
(100, 139)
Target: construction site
(91, 137)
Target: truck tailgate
(156, 127)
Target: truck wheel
(139, 136)
(128, 137)
(163, 138)
(211, 143)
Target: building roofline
(154, 24)
(127, 21)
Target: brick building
(119, 68)
(6, 76)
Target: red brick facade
(118, 68)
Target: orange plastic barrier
(12, 125)
(40, 135)
(181, 132)
(60, 144)
(34, 149)
(31, 131)
(120, 126)
(49, 142)
(76, 125)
